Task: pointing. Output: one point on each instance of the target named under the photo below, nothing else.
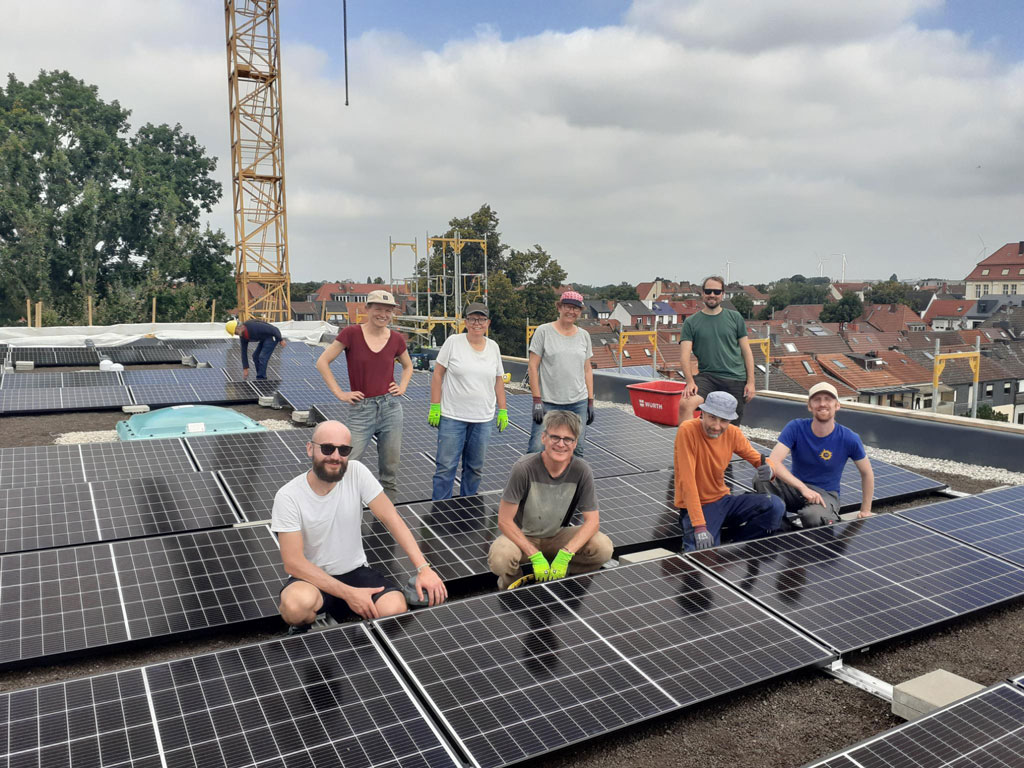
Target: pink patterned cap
(573, 298)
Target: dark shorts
(363, 577)
(707, 383)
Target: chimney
(1020, 248)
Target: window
(988, 390)
(790, 347)
(977, 291)
(647, 351)
(1020, 271)
(1006, 289)
(838, 363)
(761, 368)
(1005, 272)
(984, 271)
(807, 367)
(1020, 386)
(929, 355)
(926, 402)
(1013, 288)
(625, 353)
(1007, 387)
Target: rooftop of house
(1010, 258)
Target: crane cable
(344, 22)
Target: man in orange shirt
(704, 448)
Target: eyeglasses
(573, 307)
(327, 449)
(713, 291)
(476, 319)
(560, 439)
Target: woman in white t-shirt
(468, 380)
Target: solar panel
(456, 534)
(415, 474)
(252, 449)
(985, 729)
(225, 392)
(518, 674)
(75, 356)
(56, 380)
(46, 516)
(33, 400)
(37, 355)
(325, 698)
(857, 583)
(417, 434)
(253, 488)
(89, 398)
(150, 506)
(303, 394)
(44, 399)
(330, 411)
(265, 387)
(630, 516)
(892, 483)
(40, 465)
(129, 355)
(168, 393)
(992, 521)
(639, 442)
(138, 458)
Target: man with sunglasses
(318, 517)
(542, 493)
(718, 337)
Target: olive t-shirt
(716, 342)
(546, 503)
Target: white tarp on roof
(115, 335)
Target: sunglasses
(713, 291)
(327, 449)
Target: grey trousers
(799, 513)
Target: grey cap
(476, 308)
(720, 404)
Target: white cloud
(696, 132)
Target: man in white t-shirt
(317, 518)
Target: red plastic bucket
(657, 401)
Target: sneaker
(298, 629)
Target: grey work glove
(538, 411)
(702, 538)
(764, 472)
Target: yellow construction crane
(257, 159)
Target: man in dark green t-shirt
(718, 337)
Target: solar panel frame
(92, 398)
(857, 583)
(40, 465)
(251, 449)
(136, 458)
(141, 355)
(456, 534)
(46, 516)
(514, 675)
(168, 393)
(992, 521)
(52, 380)
(253, 489)
(982, 729)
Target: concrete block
(640, 557)
(24, 365)
(929, 692)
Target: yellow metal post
(89, 308)
(28, 312)
(213, 311)
(651, 336)
(39, 314)
(154, 309)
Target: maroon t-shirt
(370, 372)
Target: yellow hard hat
(230, 326)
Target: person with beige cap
(820, 448)
(371, 349)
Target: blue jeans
(460, 439)
(749, 516)
(261, 356)
(379, 417)
(580, 409)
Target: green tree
(987, 412)
(621, 292)
(889, 292)
(88, 210)
(508, 315)
(743, 304)
(846, 310)
(300, 291)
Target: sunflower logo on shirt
(825, 454)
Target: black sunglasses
(713, 291)
(327, 449)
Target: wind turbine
(843, 256)
(821, 267)
(728, 272)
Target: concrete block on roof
(642, 557)
(924, 694)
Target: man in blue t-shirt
(820, 448)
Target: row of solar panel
(59, 399)
(91, 355)
(509, 676)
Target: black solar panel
(253, 488)
(129, 355)
(40, 465)
(857, 583)
(456, 534)
(43, 399)
(326, 698)
(992, 521)
(638, 442)
(55, 355)
(56, 380)
(986, 729)
(252, 449)
(46, 516)
(38, 355)
(88, 398)
(167, 393)
(331, 411)
(150, 506)
(137, 458)
(518, 674)
(225, 392)
(303, 394)
(70, 599)
(415, 474)
(265, 387)
(631, 516)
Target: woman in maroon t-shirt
(371, 349)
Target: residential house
(648, 291)
(837, 289)
(997, 385)
(870, 377)
(355, 292)
(305, 310)
(596, 309)
(805, 372)
(811, 345)
(871, 341)
(990, 305)
(1009, 319)
(910, 373)
(800, 313)
(947, 314)
(665, 313)
(1011, 357)
(892, 317)
(757, 297)
(634, 315)
(1002, 272)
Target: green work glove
(502, 419)
(541, 569)
(434, 416)
(560, 565)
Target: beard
(326, 474)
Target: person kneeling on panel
(820, 448)
(317, 518)
(542, 492)
(704, 448)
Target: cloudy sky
(630, 139)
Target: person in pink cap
(560, 374)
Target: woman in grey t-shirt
(560, 374)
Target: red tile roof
(904, 368)
(800, 313)
(946, 308)
(843, 287)
(1010, 257)
(753, 293)
(872, 341)
(325, 291)
(890, 317)
(794, 367)
(821, 345)
(643, 289)
(850, 373)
